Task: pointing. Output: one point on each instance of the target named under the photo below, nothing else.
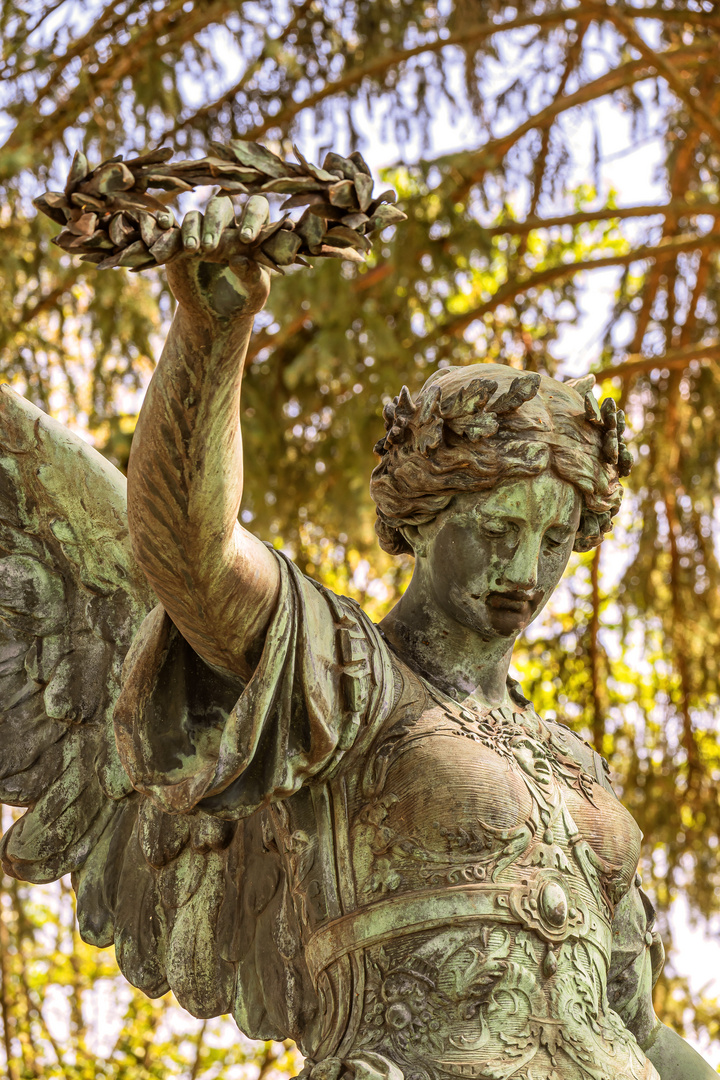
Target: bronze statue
(360, 837)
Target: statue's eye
(556, 540)
(494, 528)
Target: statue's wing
(71, 598)
(168, 890)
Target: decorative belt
(542, 906)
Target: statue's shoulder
(362, 646)
(584, 753)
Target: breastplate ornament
(484, 947)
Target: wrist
(218, 295)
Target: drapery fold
(192, 736)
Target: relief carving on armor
(476, 1005)
(478, 851)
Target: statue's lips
(522, 603)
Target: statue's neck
(449, 655)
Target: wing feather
(162, 836)
(140, 940)
(96, 881)
(71, 600)
(56, 836)
(202, 981)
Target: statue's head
(489, 471)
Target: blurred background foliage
(499, 258)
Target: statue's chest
(456, 885)
(456, 795)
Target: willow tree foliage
(504, 240)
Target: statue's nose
(521, 571)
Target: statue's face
(492, 559)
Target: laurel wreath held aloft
(110, 218)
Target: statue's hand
(215, 276)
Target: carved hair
(461, 435)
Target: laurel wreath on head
(419, 425)
(421, 432)
(466, 412)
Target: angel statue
(361, 837)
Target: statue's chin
(508, 623)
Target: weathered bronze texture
(360, 837)
(110, 219)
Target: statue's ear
(414, 537)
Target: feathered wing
(164, 888)
(71, 599)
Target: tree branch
(489, 156)
(511, 289)
(597, 657)
(198, 1051)
(35, 131)
(674, 358)
(263, 340)
(469, 36)
(27, 314)
(109, 19)
(685, 17)
(672, 487)
(701, 280)
(679, 174)
(24, 931)
(572, 59)
(681, 207)
(252, 69)
(10, 1063)
(703, 117)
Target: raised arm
(216, 580)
